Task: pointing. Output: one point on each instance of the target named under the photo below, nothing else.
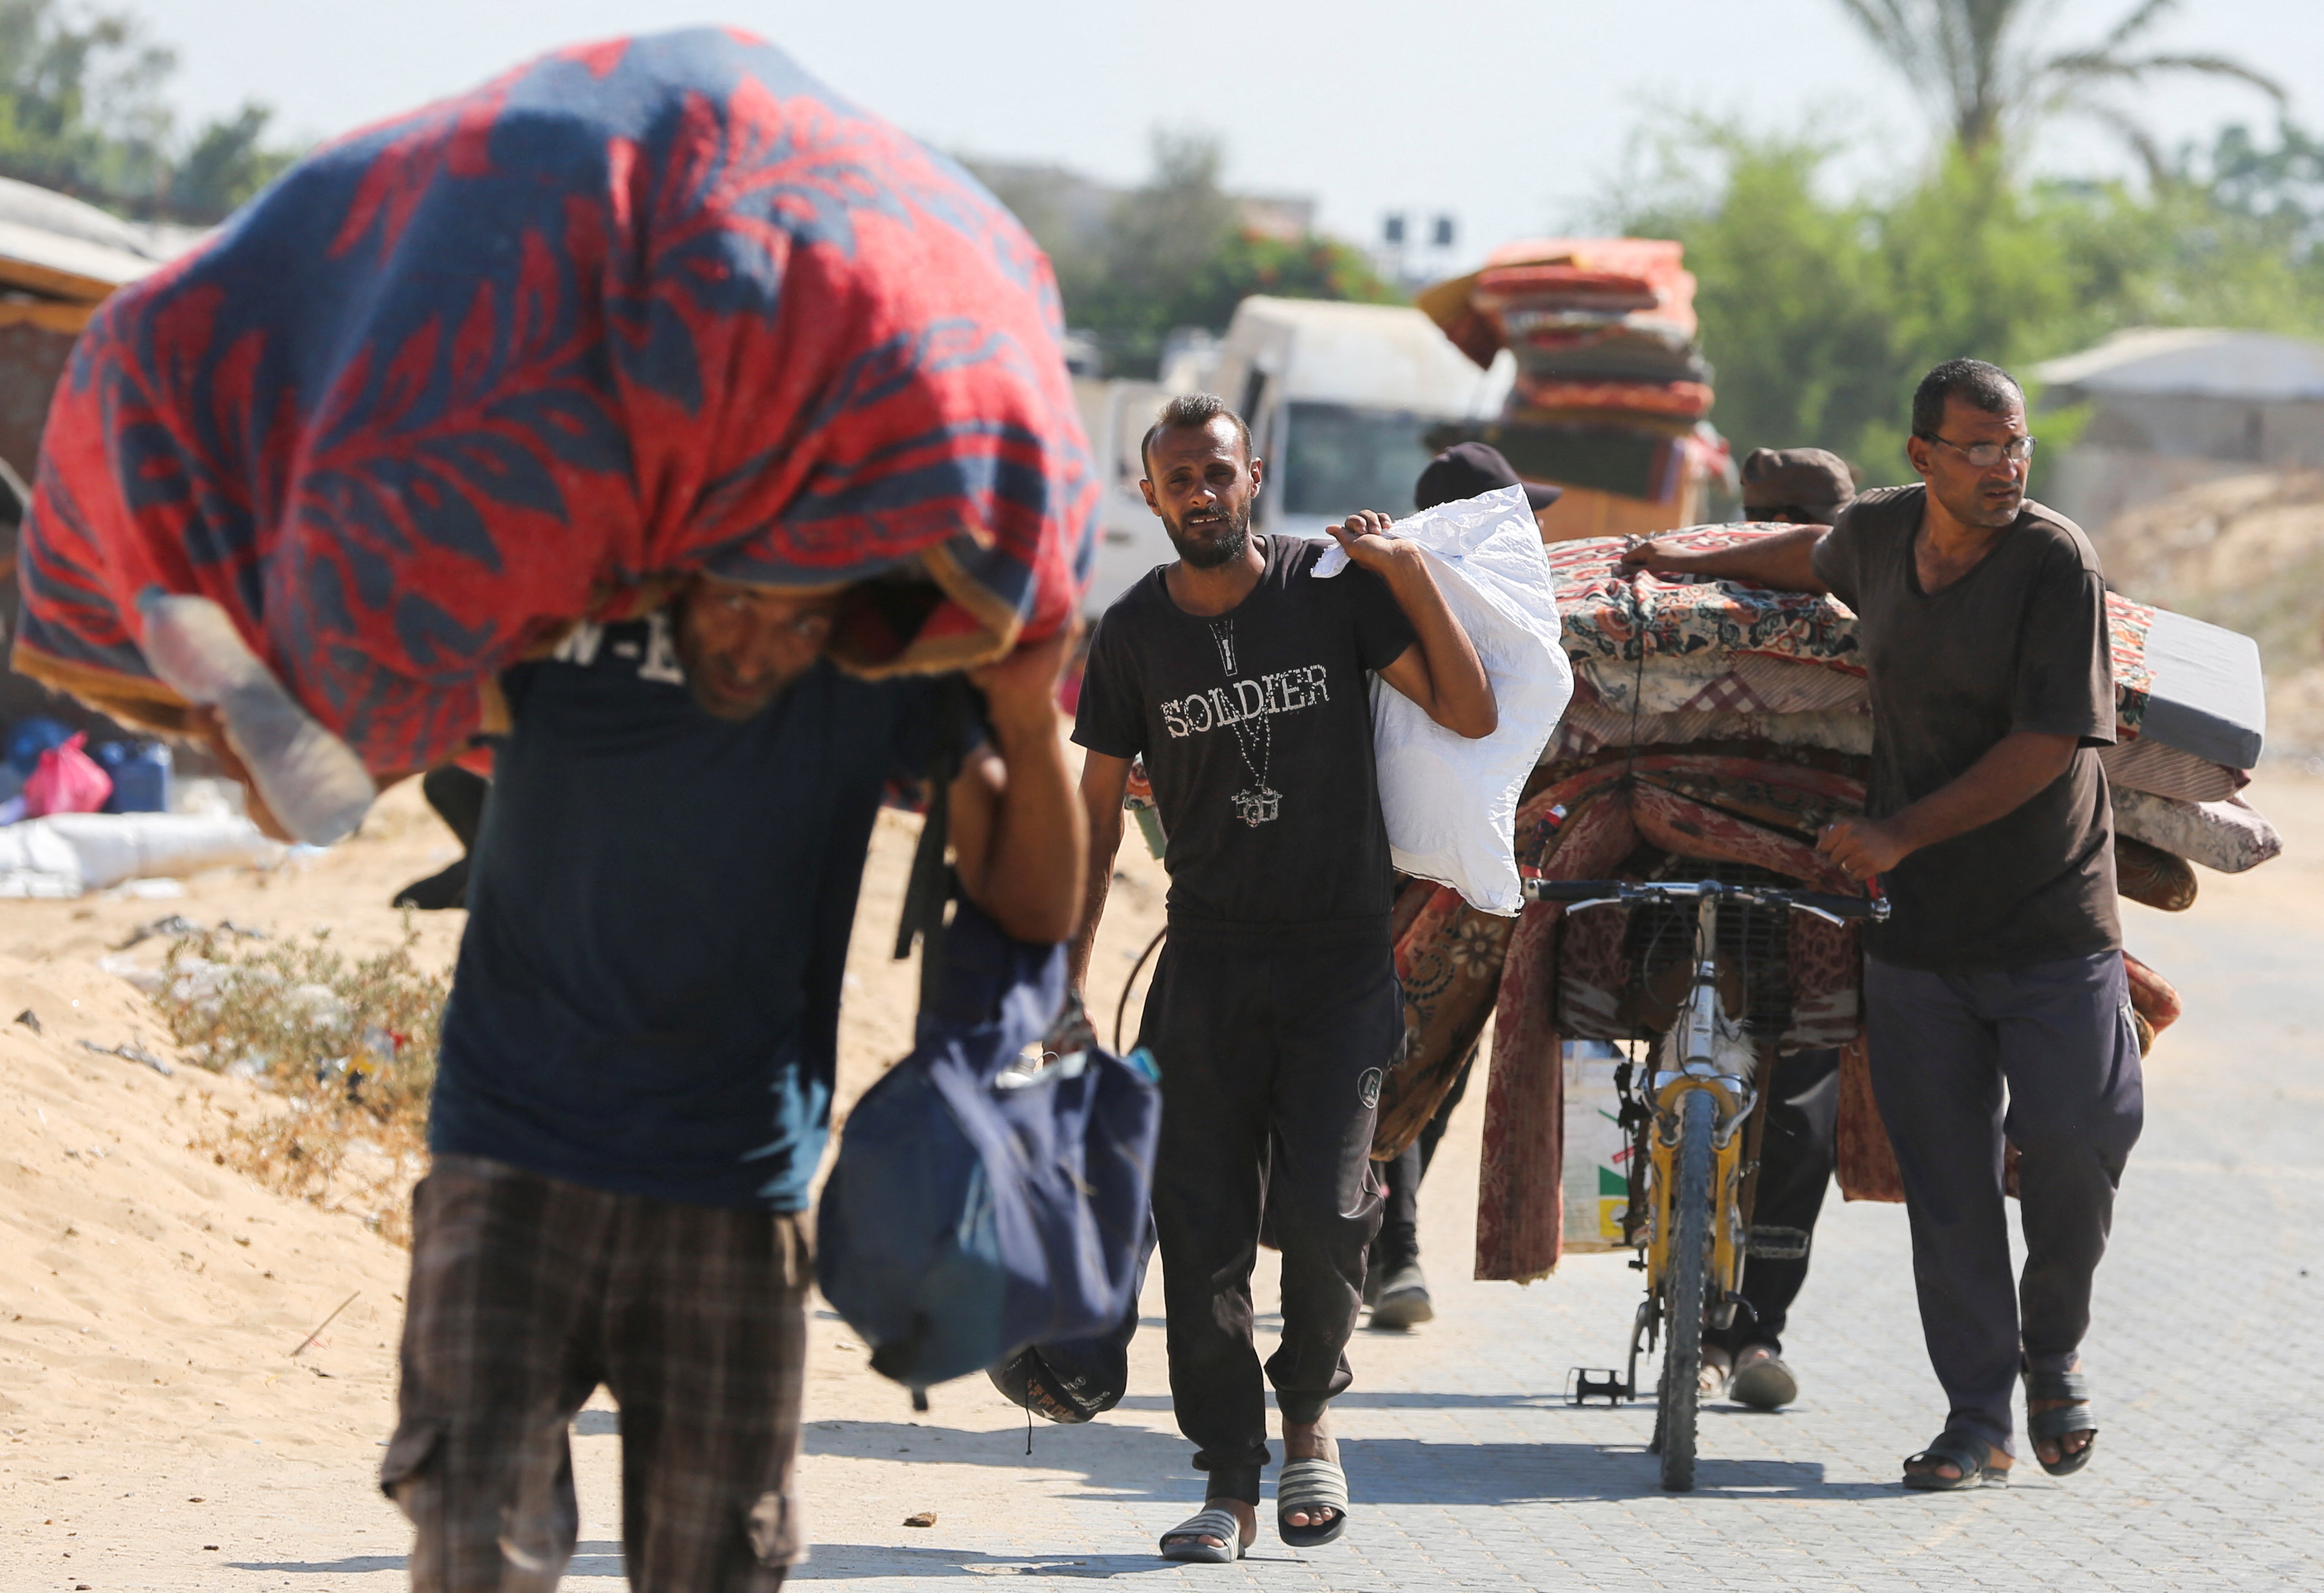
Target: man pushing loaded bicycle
(1982, 618)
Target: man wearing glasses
(1982, 619)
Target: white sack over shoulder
(1451, 803)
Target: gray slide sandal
(1185, 1540)
(1311, 1485)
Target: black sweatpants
(1942, 1047)
(1272, 1053)
(1795, 1161)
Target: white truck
(1339, 398)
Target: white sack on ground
(1451, 803)
(67, 854)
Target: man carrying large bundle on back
(609, 409)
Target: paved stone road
(1470, 1471)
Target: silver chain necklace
(1257, 803)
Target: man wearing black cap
(1796, 486)
(1469, 470)
(1394, 1286)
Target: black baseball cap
(1466, 470)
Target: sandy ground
(153, 1422)
(156, 1430)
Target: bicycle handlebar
(1601, 892)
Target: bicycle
(1700, 1094)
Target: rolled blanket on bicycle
(2148, 874)
(1661, 661)
(2152, 996)
(1865, 1162)
(1448, 960)
(2229, 837)
(1714, 697)
(1677, 801)
(527, 356)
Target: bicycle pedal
(1585, 1384)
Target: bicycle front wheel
(1684, 1287)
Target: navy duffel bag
(991, 1191)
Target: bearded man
(1239, 677)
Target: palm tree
(1981, 67)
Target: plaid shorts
(526, 1294)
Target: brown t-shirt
(2019, 643)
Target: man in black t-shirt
(1239, 674)
(1982, 621)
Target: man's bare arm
(1441, 671)
(1783, 561)
(1018, 838)
(1103, 780)
(2013, 771)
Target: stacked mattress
(1612, 389)
(1662, 662)
(1724, 724)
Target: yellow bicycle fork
(1704, 1051)
(1735, 1100)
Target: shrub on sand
(346, 1049)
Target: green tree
(1790, 290)
(1981, 67)
(1820, 313)
(229, 161)
(83, 110)
(2284, 186)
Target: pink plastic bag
(67, 780)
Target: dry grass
(346, 1051)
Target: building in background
(2173, 407)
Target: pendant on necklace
(1257, 807)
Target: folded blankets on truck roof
(1686, 400)
(1609, 278)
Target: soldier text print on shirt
(1284, 690)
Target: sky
(1515, 117)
